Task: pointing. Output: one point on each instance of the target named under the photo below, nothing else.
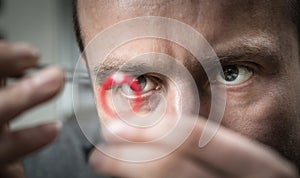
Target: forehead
(215, 19)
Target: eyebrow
(114, 65)
(261, 45)
(242, 52)
(260, 50)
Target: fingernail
(53, 126)
(26, 49)
(51, 129)
(49, 79)
(58, 125)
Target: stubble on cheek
(266, 116)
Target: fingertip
(52, 129)
(47, 82)
(61, 76)
(46, 133)
(22, 142)
(50, 74)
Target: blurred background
(47, 24)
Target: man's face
(257, 40)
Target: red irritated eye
(147, 85)
(120, 80)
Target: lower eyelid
(155, 86)
(242, 86)
(143, 96)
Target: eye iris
(231, 73)
(142, 82)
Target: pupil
(141, 81)
(231, 73)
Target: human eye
(234, 74)
(147, 98)
(148, 84)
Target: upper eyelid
(259, 63)
(133, 70)
(258, 58)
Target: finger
(15, 58)
(17, 144)
(238, 156)
(224, 153)
(30, 92)
(103, 164)
(171, 166)
(117, 131)
(13, 170)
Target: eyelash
(248, 64)
(254, 68)
(155, 79)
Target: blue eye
(234, 74)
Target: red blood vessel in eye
(120, 79)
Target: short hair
(293, 5)
(76, 25)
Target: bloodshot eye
(119, 80)
(234, 74)
(147, 83)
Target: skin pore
(258, 35)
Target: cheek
(265, 115)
